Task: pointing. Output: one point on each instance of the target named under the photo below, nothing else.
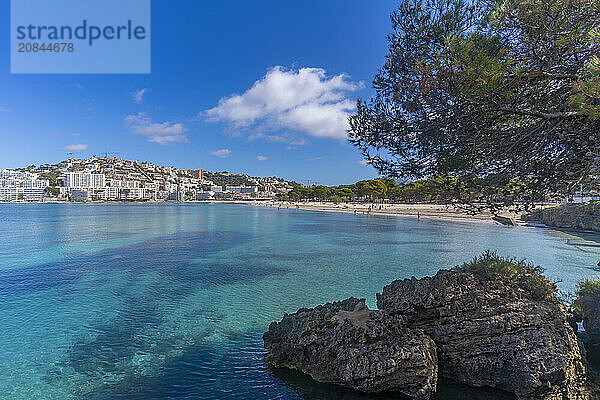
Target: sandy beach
(437, 211)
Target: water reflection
(309, 389)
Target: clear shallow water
(170, 301)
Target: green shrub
(587, 295)
(588, 287)
(491, 266)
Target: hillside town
(115, 179)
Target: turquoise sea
(170, 301)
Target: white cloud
(164, 140)
(75, 134)
(315, 159)
(298, 142)
(261, 158)
(305, 101)
(161, 133)
(223, 153)
(269, 138)
(138, 95)
(291, 140)
(76, 147)
(364, 162)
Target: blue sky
(260, 87)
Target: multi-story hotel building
(82, 180)
(21, 185)
(242, 189)
(196, 173)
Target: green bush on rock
(491, 266)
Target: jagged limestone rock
(493, 332)
(347, 344)
(494, 322)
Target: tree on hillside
(362, 188)
(322, 192)
(344, 192)
(53, 178)
(506, 89)
(52, 191)
(377, 188)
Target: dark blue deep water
(170, 301)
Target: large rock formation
(490, 332)
(573, 216)
(494, 323)
(347, 344)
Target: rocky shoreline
(573, 216)
(347, 344)
(491, 323)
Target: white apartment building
(137, 194)
(21, 185)
(116, 193)
(242, 189)
(84, 180)
(124, 184)
(177, 195)
(44, 168)
(24, 183)
(152, 185)
(9, 173)
(21, 193)
(205, 195)
(105, 193)
(79, 194)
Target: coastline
(424, 210)
(429, 211)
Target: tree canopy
(506, 89)
(437, 189)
